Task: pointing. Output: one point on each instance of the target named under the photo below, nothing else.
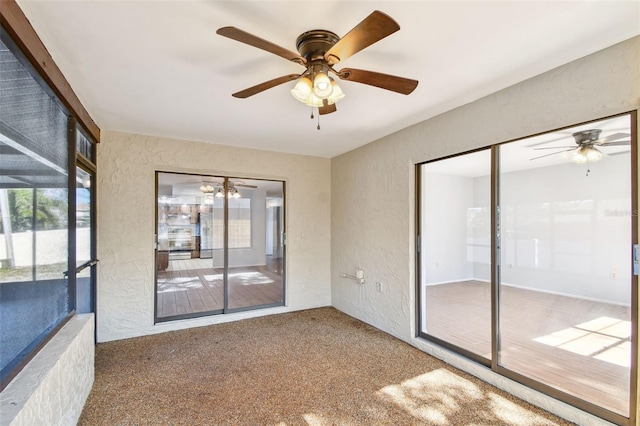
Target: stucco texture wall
(373, 187)
(126, 205)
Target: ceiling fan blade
(555, 147)
(242, 185)
(619, 143)
(371, 29)
(383, 81)
(264, 86)
(612, 137)
(553, 153)
(327, 109)
(246, 38)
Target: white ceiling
(158, 67)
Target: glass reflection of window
(239, 223)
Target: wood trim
(19, 28)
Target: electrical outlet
(379, 286)
(613, 275)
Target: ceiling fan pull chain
(312, 117)
(318, 121)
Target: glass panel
(34, 295)
(193, 228)
(84, 293)
(455, 257)
(51, 237)
(190, 253)
(565, 289)
(255, 243)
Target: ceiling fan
(588, 142)
(209, 187)
(319, 51)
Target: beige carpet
(317, 367)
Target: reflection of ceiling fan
(319, 51)
(588, 142)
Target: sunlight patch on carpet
(432, 396)
(512, 414)
(313, 420)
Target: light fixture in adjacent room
(586, 154)
(232, 193)
(207, 188)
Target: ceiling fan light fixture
(322, 85)
(586, 154)
(336, 93)
(302, 90)
(219, 193)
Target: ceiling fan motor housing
(313, 44)
(587, 136)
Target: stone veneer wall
(53, 387)
(373, 188)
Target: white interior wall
(128, 163)
(482, 250)
(590, 261)
(551, 254)
(445, 203)
(379, 237)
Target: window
(239, 224)
(35, 294)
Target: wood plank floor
(188, 287)
(578, 346)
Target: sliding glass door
(565, 276)
(456, 251)
(220, 245)
(256, 245)
(556, 308)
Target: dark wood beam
(19, 28)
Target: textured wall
(126, 204)
(53, 387)
(373, 188)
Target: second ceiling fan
(319, 51)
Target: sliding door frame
(225, 308)
(493, 363)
